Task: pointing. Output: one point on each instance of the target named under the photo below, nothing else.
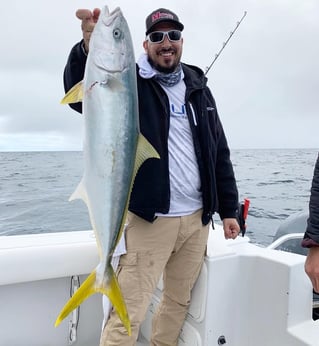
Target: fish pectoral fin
(74, 95)
(144, 151)
(89, 287)
(82, 293)
(112, 83)
(113, 292)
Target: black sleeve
(312, 231)
(227, 191)
(225, 177)
(74, 71)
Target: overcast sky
(265, 82)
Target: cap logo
(159, 15)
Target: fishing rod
(225, 43)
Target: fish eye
(117, 33)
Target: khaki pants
(174, 246)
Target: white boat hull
(35, 282)
(245, 295)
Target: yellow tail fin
(114, 293)
(88, 287)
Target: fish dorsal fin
(74, 95)
(144, 151)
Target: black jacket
(311, 237)
(151, 190)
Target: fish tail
(82, 293)
(88, 287)
(113, 292)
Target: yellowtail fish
(114, 149)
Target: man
(311, 237)
(174, 198)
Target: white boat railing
(283, 239)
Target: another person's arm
(311, 237)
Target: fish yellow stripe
(89, 287)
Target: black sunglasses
(158, 36)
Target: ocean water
(35, 188)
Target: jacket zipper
(193, 113)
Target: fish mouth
(101, 61)
(109, 17)
(113, 60)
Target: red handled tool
(242, 215)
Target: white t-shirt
(186, 197)
(185, 183)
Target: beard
(164, 69)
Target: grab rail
(284, 238)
